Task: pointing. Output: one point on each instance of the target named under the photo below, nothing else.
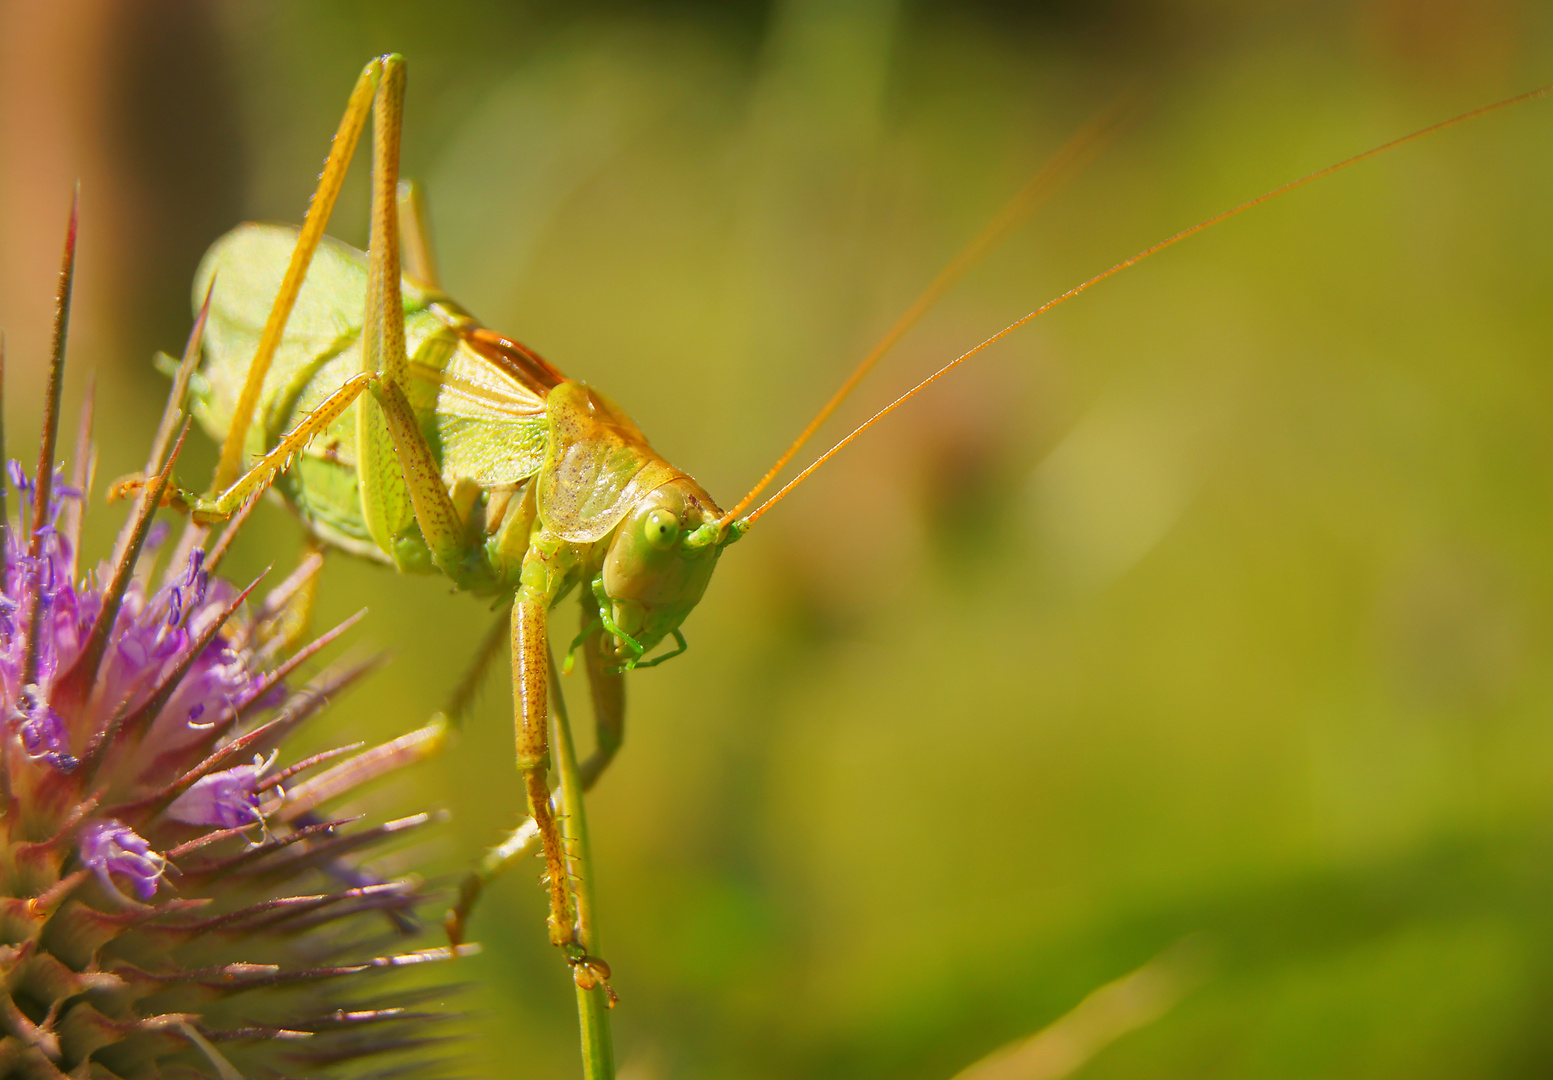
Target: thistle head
(175, 894)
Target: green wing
(246, 265)
(482, 424)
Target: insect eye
(661, 529)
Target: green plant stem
(598, 1052)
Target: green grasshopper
(402, 430)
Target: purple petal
(110, 847)
(227, 799)
(42, 732)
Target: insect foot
(590, 972)
(126, 487)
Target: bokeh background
(1218, 602)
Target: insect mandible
(401, 429)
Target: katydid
(401, 429)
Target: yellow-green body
(534, 462)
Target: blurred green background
(1218, 601)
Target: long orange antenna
(1067, 162)
(1529, 95)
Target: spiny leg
(607, 689)
(263, 471)
(318, 211)
(399, 458)
(398, 476)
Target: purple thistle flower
(125, 703)
(110, 848)
(228, 799)
(42, 731)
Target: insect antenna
(1171, 241)
(1069, 160)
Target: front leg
(608, 692)
(606, 684)
(530, 694)
(223, 504)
